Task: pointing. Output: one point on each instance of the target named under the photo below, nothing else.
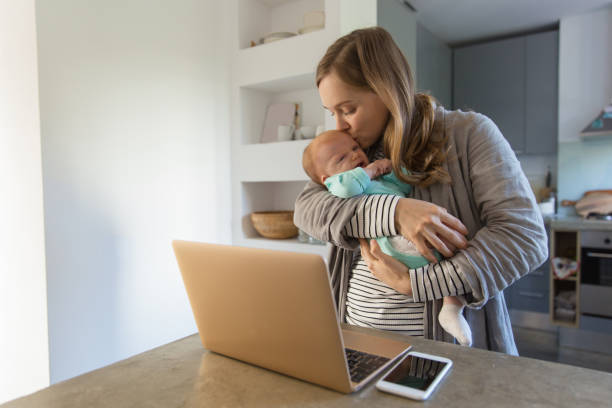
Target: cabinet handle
(535, 295)
(599, 255)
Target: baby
(335, 160)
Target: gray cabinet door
(531, 292)
(542, 55)
(490, 78)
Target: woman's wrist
(399, 207)
(405, 285)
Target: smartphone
(415, 376)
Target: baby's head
(330, 153)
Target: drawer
(536, 280)
(596, 300)
(532, 300)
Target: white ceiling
(460, 21)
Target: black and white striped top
(372, 303)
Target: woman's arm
(512, 241)
(342, 220)
(432, 281)
(324, 216)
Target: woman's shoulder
(460, 120)
(462, 125)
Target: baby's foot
(451, 319)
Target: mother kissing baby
(465, 196)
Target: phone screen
(415, 372)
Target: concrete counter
(574, 223)
(183, 374)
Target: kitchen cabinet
(541, 111)
(531, 292)
(514, 82)
(489, 78)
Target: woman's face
(359, 113)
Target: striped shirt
(372, 303)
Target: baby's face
(339, 153)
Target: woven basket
(274, 224)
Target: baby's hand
(378, 167)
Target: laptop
(275, 309)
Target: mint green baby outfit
(356, 182)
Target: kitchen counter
(575, 223)
(183, 374)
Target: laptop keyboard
(362, 364)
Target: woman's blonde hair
(369, 59)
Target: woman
(467, 181)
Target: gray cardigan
(488, 193)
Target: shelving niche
(269, 176)
(257, 18)
(565, 244)
(271, 196)
(254, 100)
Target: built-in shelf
(269, 176)
(264, 196)
(569, 278)
(292, 245)
(258, 18)
(566, 244)
(295, 56)
(254, 102)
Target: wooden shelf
(565, 323)
(568, 279)
(565, 243)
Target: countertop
(576, 223)
(184, 374)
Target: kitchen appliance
(600, 126)
(596, 273)
(599, 217)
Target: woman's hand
(428, 225)
(386, 268)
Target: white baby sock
(451, 319)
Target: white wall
(585, 70)
(585, 87)
(24, 351)
(135, 142)
(355, 14)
